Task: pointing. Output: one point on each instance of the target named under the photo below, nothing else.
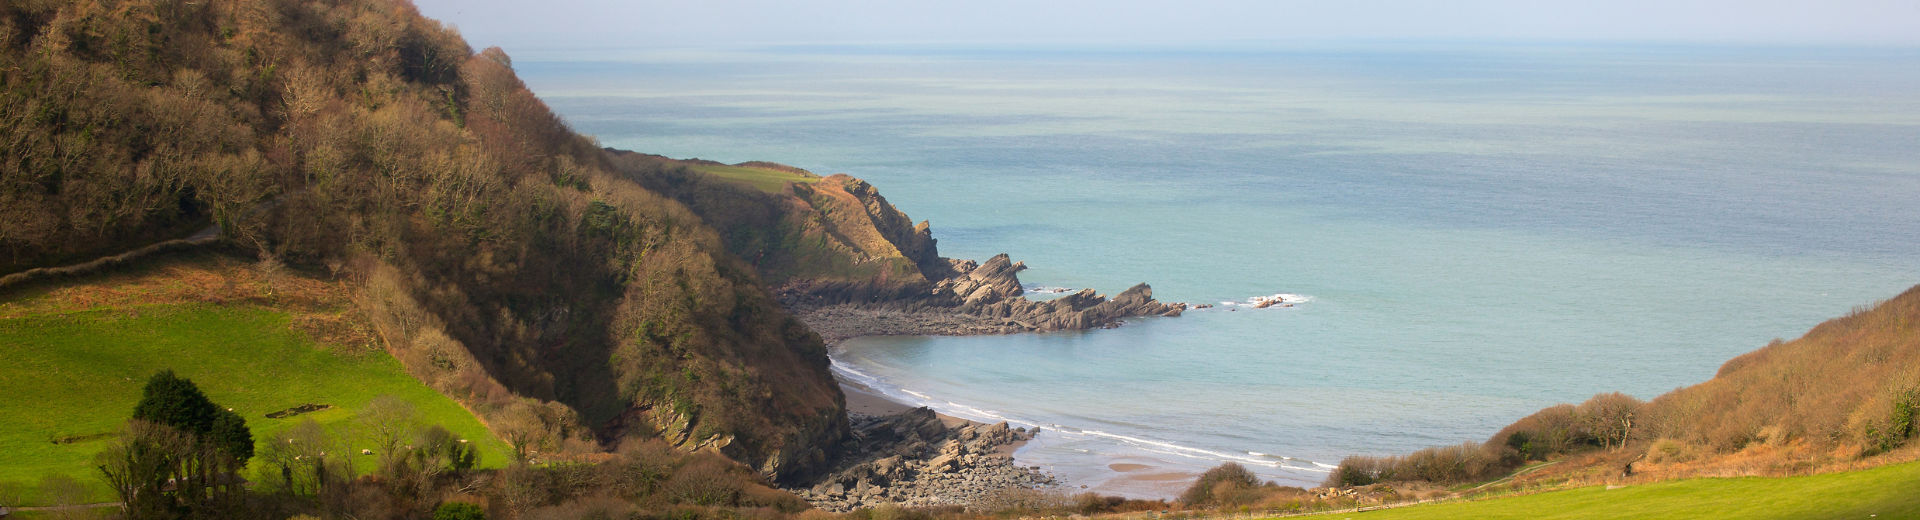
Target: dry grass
(1843, 397)
(319, 306)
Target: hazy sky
(576, 24)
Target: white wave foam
(1325, 465)
(886, 388)
(1183, 451)
(1274, 301)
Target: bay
(1475, 231)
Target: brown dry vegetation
(486, 244)
(1842, 397)
(839, 229)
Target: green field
(764, 179)
(78, 375)
(1881, 493)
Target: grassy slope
(1886, 492)
(766, 180)
(79, 373)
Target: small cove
(1481, 231)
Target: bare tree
(12, 493)
(1609, 417)
(520, 426)
(389, 422)
(62, 491)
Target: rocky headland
(847, 263)
(968, 298)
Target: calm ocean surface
(1479, 231)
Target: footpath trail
(209, 235)
(54, 509)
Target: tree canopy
(176, 402)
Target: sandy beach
(861, 399)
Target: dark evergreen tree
(175, 401)
(230, 434)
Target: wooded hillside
(489, 243)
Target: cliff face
(850, 263)
(495, 249)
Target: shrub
(1225, 484)
(1360, 470)
(1668, 451)
(1011, 500)
(458, 511)
(705, 480)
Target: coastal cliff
(848, 263)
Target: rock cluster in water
(970, 298)
(913, 459)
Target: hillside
(1842, 397)
(489, 246)
(258, 342)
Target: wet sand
(861, 399)
(1140, 477)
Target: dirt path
(202, 237)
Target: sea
(1460, 234)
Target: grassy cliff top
(764, 179)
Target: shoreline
(913, 456)
(1132, 476)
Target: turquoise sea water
(1478, 231)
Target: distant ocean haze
(1482, 231)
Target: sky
(548, 25)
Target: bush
(1223, 485)
(1359, 470)
(458, 511)
(1668, 451)
(1024, 501)
(1441, 465)
(705, 480)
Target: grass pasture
(70, 378)
(1886, 492)
(763, 179)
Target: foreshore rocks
(914, 459)
(971, 298)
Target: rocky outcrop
(915, 459)
(976, 298)
(913, 241)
